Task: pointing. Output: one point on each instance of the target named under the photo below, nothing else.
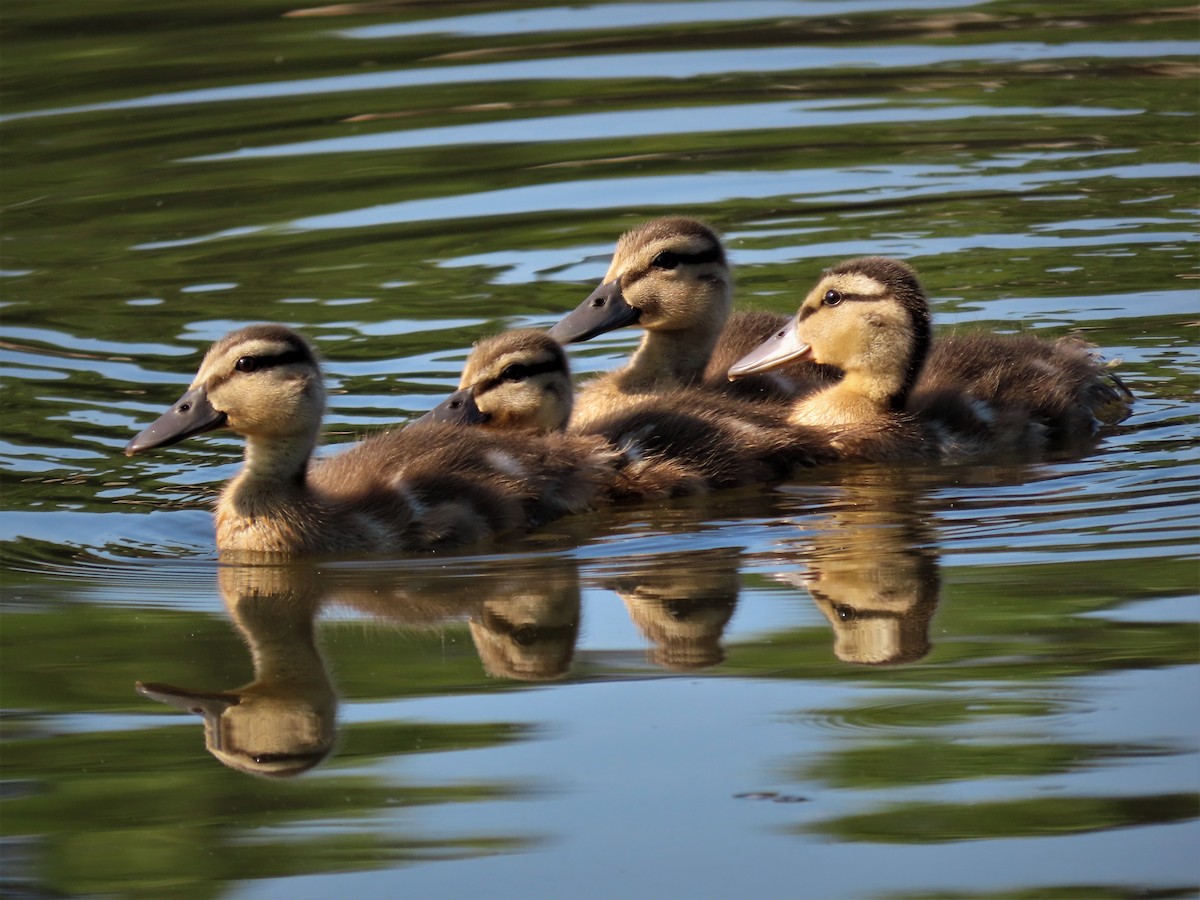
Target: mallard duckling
(671, 278)
(869, 318)
(517, 380)
(416, 489)
(673, 443)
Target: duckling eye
(515, 372)
(833, 298)
(246, 364)
(666, 259)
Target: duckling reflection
(873, 572)
(528, 632)
(523, 618)
(283, 722)
(681, 602)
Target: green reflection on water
(920, 823)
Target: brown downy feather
(1058, 385)
(672, 445)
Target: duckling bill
(191, 415)
(780, 348)
(604, 309)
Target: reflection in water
(682, 602)
(524, 624)
(870, 566)
(528, 631)
(524, 620)
(872, 570)
(281, 723)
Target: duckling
(869, 317)
(517, 380)
(670, 277)
(673, 443)
(417, 489)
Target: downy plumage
(398, 491)
(671, 443)
(987, 394)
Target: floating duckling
(670, 277)
(398, 491)
(672, 443)
(869, 318)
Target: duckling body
(670, 277)
(681, 442)
(869, 318)
(671, 443)
(393, 492)
(1060, 385)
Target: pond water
(895, 682)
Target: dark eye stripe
(853, 298)
(523, 372)
(265, 361)
(281, 359)
(669, 259)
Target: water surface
(975, 681)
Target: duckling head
(867, 317)
(515, 380)
(669, 274)
(262, 382)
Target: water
(875, 682)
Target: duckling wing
(506, 480)
(434, 493)
(690, 442)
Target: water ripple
(883, 185)
(633, 15)
(645, 122)
(676, 65)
